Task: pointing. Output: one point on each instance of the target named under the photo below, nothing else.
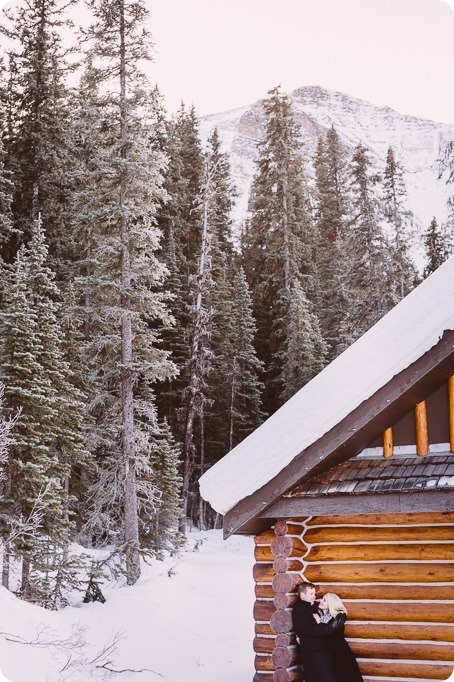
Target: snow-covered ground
(188, 618)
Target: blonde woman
(343, 661)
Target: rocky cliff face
(419, 144)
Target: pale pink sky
(223, 54)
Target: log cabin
(350, 485)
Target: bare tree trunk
(195, 401)
(286, 233)
(127, 380)
(25, 578)
(5, 566)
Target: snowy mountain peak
(419, 144)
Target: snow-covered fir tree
(332, 215)
(37, 135)
(48, 443)
(398, 218)
(119, 189)
(370, 293)
(238, 404)
(305, 350)
(437, 248)
(180, 221)
(279, 243)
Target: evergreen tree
(436, 246)
(305, 351)
(332, 214)
(180, 221)
(48, 442)
(199, 363)
(37, 133)
(279, 244)
(120, 187)
(398, 220)
(370, 294)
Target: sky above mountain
(223, 54)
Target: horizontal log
(295, 528)
(397, 552)
(370, 573)
(284, 639)
(263, 677)
(401, 611)
(265, 538)
(369, 592)
(291, 675)
(263, 573)
(435, 633)
(294, 565)
(264, 629)
(264, 645)
(263, 610)
(280, 564)
(283, 582)
(281, 621)
(280, 527)
(392, 669)
(280, 547)
(284, 657)
(415, 651)
(263, 662)
(339, 534)
(267, 591)
(417, 518)
(282, 600)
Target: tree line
(141, 336)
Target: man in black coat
(315, 656)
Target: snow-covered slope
(419, 144)
(187, 618)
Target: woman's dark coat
(344, 662)
(315, 656)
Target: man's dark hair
(304, 586)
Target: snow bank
(187, 618)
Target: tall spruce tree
(436, 248)
(180, 221)
(120, 187)
(332, 214)
(48, 444)
(370, 294)
(36, 135)
(305, 350)
(402, 270)
(279, 244)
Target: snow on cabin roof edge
(410, 329)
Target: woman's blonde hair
(335, 605)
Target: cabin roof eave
(349, 437)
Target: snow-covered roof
(402, 336)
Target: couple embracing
(319, 626)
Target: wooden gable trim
(380, 503)
(352, 434)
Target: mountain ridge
(420, 145)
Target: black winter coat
(345, 665)
(315, 656)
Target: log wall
(395, 574)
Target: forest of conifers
(142, 334)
